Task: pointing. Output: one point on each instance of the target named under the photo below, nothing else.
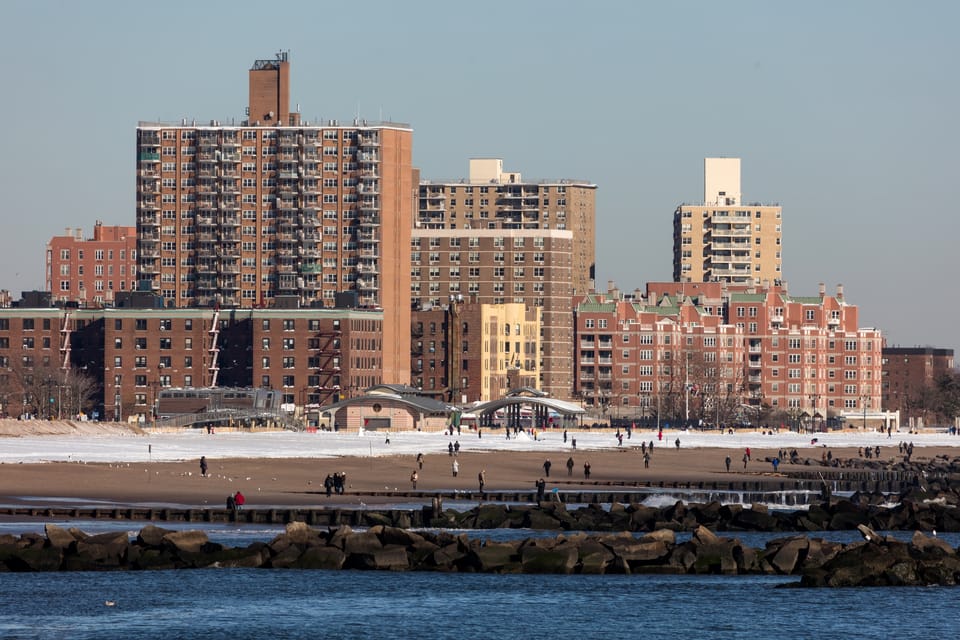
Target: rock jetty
(874, 562)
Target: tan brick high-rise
(277, 211)
(724, 239)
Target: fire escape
(214, 349)
(65, 330)
(329, 353)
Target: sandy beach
(129, 479)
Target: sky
(843, 113)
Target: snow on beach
(175, 446)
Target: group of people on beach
(335, 483)
(236, 501)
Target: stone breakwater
(875, 562)
(836, 515)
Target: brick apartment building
(909, 374)
(501, 266)
(736, 349)
(278, 210)
(313, 356)
(491, 198)
(91, 271)
(467, 352)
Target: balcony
(370, 284)
(369, 141)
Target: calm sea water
(250, 603)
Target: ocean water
(250, 603)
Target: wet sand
(299, 482)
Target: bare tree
(45, 390)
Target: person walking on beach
(239, 500)
(420, 460)
(456, 468)
(678, 444)
(203, 466)
(727, 462)
(569, 466)
(586, 470)
(328, 484)
(413, 479)
(481, 478)
(456, 448)
(450, 449)
(546, 467)
(564, 436)
(646, 460)
(746, 459)
(541, 489)
(747, 452)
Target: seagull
(110, 603)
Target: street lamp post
(814, 399)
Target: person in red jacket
(239, 500)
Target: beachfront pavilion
(384, 407)
(528, 407)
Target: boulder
(58, 537)
(339, 536)
(287, 557)
(402, 537)
(594, 558)
(715, 558)
(788, 554)
(643, 518)
(365, 542)
(496, 557)
(33, 559)
(755, 520)
(447, 557)
(152, 536)
(644, 553)
(104, 550)
(933, 546)
(186, 541)
(540, 520)
(301, 534)
(490, 516)
(321, 558)
(560, 559)
(666, 536)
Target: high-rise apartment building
(90, 271)
(494, 199)
(501, 266)
(277, 211)
(724, 239)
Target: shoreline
(298, 482)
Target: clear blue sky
(843, 112)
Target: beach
(132, 467)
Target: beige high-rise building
(276, 211)
(724, 239)
(491, 198)
(502, 266)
